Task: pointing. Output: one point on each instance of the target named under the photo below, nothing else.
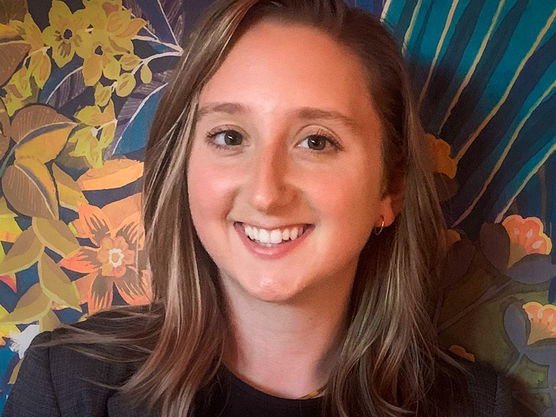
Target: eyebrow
(304, 113)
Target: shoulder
(60, 373)
(489, 391)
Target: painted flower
(526, 236)
(113, 30)
(39, 62)
(462, 352)
(29, 32)
(67, 33)
(115, 260)
(20, 341)
(452, 236)
(441, 151)
(100, 60)
(543, 321)
(109, 6)
(115, 256)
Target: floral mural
(79, 84)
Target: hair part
(389, 361)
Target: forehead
(278, 66)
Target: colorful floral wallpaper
(79, 83)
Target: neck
(286, 349)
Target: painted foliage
(79, 84)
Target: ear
(392, 201)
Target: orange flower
(526, 237)
(441, 151)
(115, 256)
(115, 260)
(462, 352)
(543, 321)
(67, 33)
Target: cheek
(347, 198)
(208, 186)
(209, 193)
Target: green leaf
(29, 188)
(25, 251)
(56, 284)
(55, 234)
(31, 307)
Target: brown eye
(227, 138)
(316, 142)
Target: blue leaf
(532, 269)
(516, 323)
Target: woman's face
(285, 170)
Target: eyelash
(211, 135)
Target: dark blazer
(54, 382)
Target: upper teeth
(272, 236)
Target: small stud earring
(378, 230)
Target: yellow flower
(108, 6)
(29, 32)
(441, 151)
(113, 29)
(99, 60)
(67, 33)
(543, 321)
(39, 62)
(526, 237)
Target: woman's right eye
(225, 138)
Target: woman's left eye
(319, 142)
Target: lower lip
(275, 251)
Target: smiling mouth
(271, 237)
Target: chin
(273, 290)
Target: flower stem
(156, 40)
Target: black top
(56, 382)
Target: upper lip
(287, 226)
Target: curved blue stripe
(519, 163)
(467, 114)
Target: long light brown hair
(389, 362)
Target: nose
(270, 187)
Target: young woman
(293, 231)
